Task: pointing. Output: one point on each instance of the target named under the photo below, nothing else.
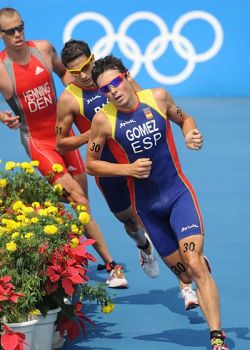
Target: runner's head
(11, 28)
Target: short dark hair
(73, 49)
(106, 63)
(9, 12)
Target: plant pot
(44, 330)
(27, 328)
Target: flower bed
(43, 253)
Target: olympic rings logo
(156, 47)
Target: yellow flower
(58, 189)
(10, 224)
(81, 207)
(1, 202)
(74, 228)
(27, 210)
(57, 168)
(18, 165)
(0, 161)
(15, 235)
(42, 212)
(52, 210)
(34, 220)
(35, 312)
(35, 205)
(3, 183)
(9, 166)
(25, 165)
(35, 163)
(47, 204)
(50, 229)
(17, 205)
(11, 246)
(106, 309)
(29, 235)
(74, 242)
(84, 218)
(30, 170)
(20, 217)
(59, 220)
(2, 231)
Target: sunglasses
(115, 82)
(83, 68)
(12, 31)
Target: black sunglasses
(12, 31)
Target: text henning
(39, 97)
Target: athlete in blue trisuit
(136, 127)
(78, 104)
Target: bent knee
(196, 266)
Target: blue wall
(208, 55)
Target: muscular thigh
(47, 156)
(115, 192)
(74, 162)
(191, 247)
(185, 217)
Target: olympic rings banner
(191, 48)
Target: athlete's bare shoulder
(68, 103)
(101, 122)
(43, 46)
(162, 95)
(163, 99)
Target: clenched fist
(194, 139)
(141, 168)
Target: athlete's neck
(84, 86)
(20, 55)
(131, 106)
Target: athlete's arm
(100, 132)
(193, 137)
(54, 62)
(6, 90)
(67, 108)
(59, 68)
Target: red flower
(11, 340)
(7, 290)
(72, 326)
(43, 248)
(67, 265)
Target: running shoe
(117, 278)
(190, 298)
(149, 263)
(218, 341)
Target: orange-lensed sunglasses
(83, 68)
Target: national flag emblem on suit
(148, 113)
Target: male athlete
(78, 104)
(27, 85)
(136, 126)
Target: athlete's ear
(128, 75)
(93, 57)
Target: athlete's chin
(19, 43)
(120, 101)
